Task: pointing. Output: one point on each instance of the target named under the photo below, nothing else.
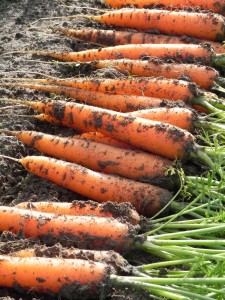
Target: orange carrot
(162, 88)
(177, 116)
(111, 257)
(214, 5)
(83, 208)
(147, 199)
(133, 130)
(123, 103)
(87, 232)
(204, 76)
(133, 164)
(113, 38)
(54, 275)
(209, 26)
(184, 53)
(103, 139)
(148, 135)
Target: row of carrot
(131, 131)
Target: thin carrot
(83, 208)
(204, 76)
(110, 257)
(103, 139)
(115, 37)
(209, 26)
(171, 89)
(87, 232)
(146, 198)
(214, 5)
(54, 275)
(133, 164)
(123, 103)
(148, 135)
(184, 53)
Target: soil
(19, 32)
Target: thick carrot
(184, 53)
(123, 103)
(111, 257)
(55, 275)
(146, 198)
(87, 232)
(114, 37)
(204, 76)
(133, 164)
(148, 135)
(162, 88)
(88, 207)
(209, 26)
(214, 5)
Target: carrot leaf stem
(221, 81)
(219, 60)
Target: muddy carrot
(209, 26)
(184, 53)
(115, 37)
(214, 5)
(133, 130)
(146, 198)
(133, 164)
(204, 76)
(171, 89)
(110, 257)
(123, 103)
(88, 232)
(83, 208)
(55, 275)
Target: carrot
(133, 130)
(209, 26)
(110, 257)
(171, 89)
(83, 208)
(54, 275)
(103, 139)
(133, 164)
(181, 117)
(89, 232)
(214, 5)
(114, 37)
(184, 53)
(123, 103)
(204, 76)
(146, 198)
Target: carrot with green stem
(115, 37)
(163, 88)
(146, 198)
(133, 130)
(65, 277)
(209, 26)
(184, 53)
(214, 5)
(83, 208)
(132, 164)
(204, 76)
(123, 103)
